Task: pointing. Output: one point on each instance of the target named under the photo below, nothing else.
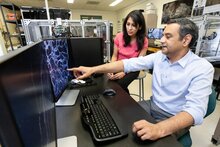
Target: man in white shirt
(181, 82)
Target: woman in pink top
(132, 42)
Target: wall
(142, 5)
(106, 15)
(2, 46)
(116, 17)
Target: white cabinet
(150, 20)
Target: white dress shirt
(181, 86)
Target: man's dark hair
(138, 18)
(186, 27)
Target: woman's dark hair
(186, 27)
(138, 18)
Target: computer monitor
(58, 62)
(86, 51)
(155, 33)
(26, 99)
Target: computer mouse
(109, 92)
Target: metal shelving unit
(7, 22)
(208, 45)
(36, 29)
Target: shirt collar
(183, 61)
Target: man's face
(171, 43)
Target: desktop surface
(69, 118)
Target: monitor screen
(27, 98)
(155, 33)
(57, 62)
(86, 51)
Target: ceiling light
(70, 1)
(115, 3)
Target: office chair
(140, 78)
(217, 88)
(185, 140)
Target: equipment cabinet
(36, 29)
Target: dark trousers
(160, 115)
(127, 79)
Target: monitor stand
(70, 141)
(68, 98)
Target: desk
(69, 121)
(153, 49)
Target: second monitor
(86, 51)
(154, 35)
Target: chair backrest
(212, 102)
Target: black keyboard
(100, 122)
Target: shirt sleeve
(198, 93)
(145, 43)
(116, 40)
(139, 63)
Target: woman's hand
(116, 76)
(119, 75)
(110, 76)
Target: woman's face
(131, 28)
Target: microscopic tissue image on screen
(57, 60)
